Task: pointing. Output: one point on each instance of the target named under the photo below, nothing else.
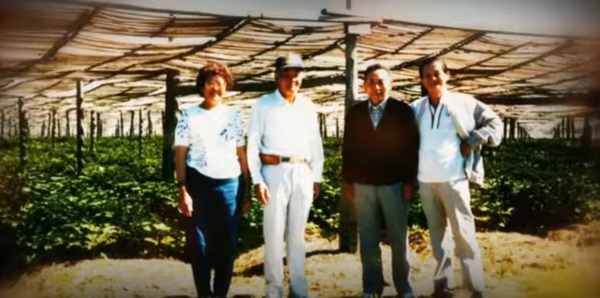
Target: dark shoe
(447, 293)
(477, 295)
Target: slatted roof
(121, 54)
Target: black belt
(292, 159)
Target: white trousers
(291, 190)
(450, 202)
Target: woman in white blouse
(212, 177)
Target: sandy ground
(564, 264)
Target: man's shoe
(477, 295)
(369, 295)
(443, 294)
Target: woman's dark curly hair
(210, 70)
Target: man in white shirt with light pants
(285, 158)
(453, 128)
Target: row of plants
(119, 207)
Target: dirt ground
(564, 264)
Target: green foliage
(119, 207)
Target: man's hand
(262, 193)
(316, 190)
(465, 149)
(186, 205)
(407, 192)
(348, 191)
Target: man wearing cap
(285, 157)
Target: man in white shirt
(285, 158)
(453, 127)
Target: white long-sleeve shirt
(284, 129)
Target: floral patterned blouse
(212, 137)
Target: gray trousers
(450, 202)
(373, 203)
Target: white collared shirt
(376, 116)
(284, 129)
(212, 137)
(439, 155)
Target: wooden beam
(268, 86)
(165, 26)
(168, 158)
(79, 113)
(219, 37)
(278, 44)
(404, 46)
(444, 51)
(71, 33)
(494, 56)
(518, 65)
(308, 56)
(22, 134)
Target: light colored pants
(291, 189)
(372, 203)
(451, 202)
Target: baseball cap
(289, 61)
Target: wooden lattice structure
(121, 54)
(60, 59)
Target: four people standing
(388, 150)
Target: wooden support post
(58, 128)
(569, 129)
(573, 137)
(43, 131)
(117, 129)
(53, 130)
(513, 121)
(351, 69)
(22, 134)
(337, 128)
(68, 120)
(2, 125)
(325, 126)
(149, 124)
(348, 233)
(121, 131)
(586, 139)
(132, 117)
(99, 126)
(321, 125)
(505, 136)
(91, 133)
(140, 126)
(168, 158)
(563, 128)
(79, 113)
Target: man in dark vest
(380, 156)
